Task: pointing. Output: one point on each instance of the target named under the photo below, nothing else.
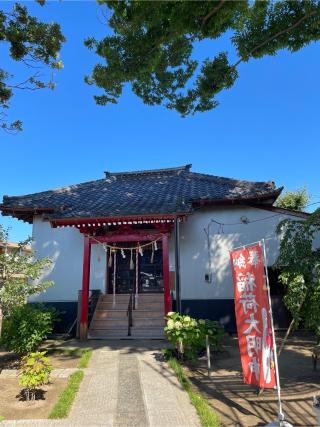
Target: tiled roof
(13, 245)
(159, 191)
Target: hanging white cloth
(137, 278)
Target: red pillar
(85, 289)
(165, 263)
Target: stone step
(154, 297)
(151, 305)
(147, 297)
(141, 308)
(125, 297)
(109, 323)
(123, 323)
(157, 322)
(118, 297)
(142, 314)
(108, 330)
(122, 333)
(110, 306)
(108, 333)
(106, 314)
(146, 337)
(121, 337)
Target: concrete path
(126, 385)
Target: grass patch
(206, 414)
(85, 357)
(1, 418)
(62, 408)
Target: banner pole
(280, 413)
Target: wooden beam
(129, 220)
(177, 264)
(135, 237)
(85, 289)
(166, 277)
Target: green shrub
(35, 372)
(189, 335)
(27, 327)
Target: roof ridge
(151, 171)
(233, 180)
(73, 186)
(156, 191)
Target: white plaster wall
(64, 246)
(194, 258)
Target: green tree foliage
(152, 43)
(20, 273)
(35, 372)
(27, 327)
(33, 43)
(294, 200)
(299, 261)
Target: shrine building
(132, 246)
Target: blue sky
(267, 126)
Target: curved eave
(24, 214)
(267, 199)
(27, 213)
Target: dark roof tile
(159, 191)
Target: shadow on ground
(239, 405)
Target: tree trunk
(290, 328)
(286, 337)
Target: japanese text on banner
(253, 316)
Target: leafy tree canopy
(20, 274)
(299, 262)
(33, 43)
(152, 43)
(294, 200)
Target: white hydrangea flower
(170, 324)
(178, 325)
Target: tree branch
(279, 33)
(212, 12)
(34, 83)
(26, 62)
(21, 85)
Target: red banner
(253, 316)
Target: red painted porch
(126, 235)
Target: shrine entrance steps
(110, 319)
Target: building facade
(149, 242)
